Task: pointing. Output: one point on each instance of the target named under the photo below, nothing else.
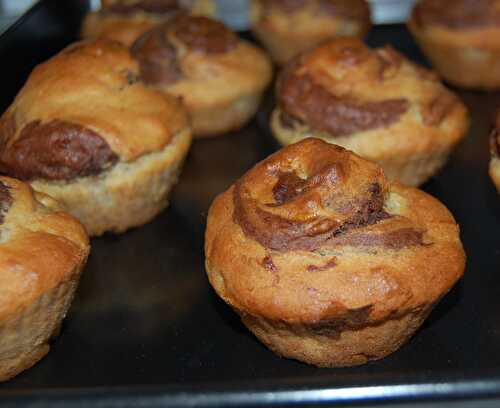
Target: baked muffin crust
(219, 77)
(464, 14)
(460, 38)
(126, 20)
(42, 254)
(374, 102)
(95, 85)
(354, 10)
(87, 131)
(325, 260)
(288, 27)
(157, 51)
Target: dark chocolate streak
(56, 150)
(289, 186)
(203, 34)
(277, 233)
(157, 57)
(398, 239)
(269, 265)
(318, 268)
(148, 6)
(459, 14)
(301, 98)
(5, 201)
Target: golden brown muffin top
(343, 87)
(457, 14)
(41, 246)
(348, 9)
(81, 112)
(314, 232)
(158, 51)
(314, 195)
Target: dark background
(146, 327)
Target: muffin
(84, 130)
(495, 154)
(373, 102)
(126, 20)
(325, 260)
(288, 27)
(42, 254)
(219, 77)
(462, 40)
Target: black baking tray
(146, 329)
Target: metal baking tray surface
(146, 329)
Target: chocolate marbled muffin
(126, 20)
(84, 130)
(219, 77)
(325, 260)
(371, 101)
(461, 38)
(42, 254)
(288, 27)
(495, 153)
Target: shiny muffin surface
(126, 20)
(461, 39)
(372, 101)
(42, 253)
(219, 77)
(316, 249)
(344, 87)
(83, 111)
(160, 51)
(87, 131)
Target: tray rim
(454, 392)
(473, 390)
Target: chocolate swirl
(302, 98)
(458, 14)
(56, 150)
(157, 54)
(157, 58)
(147, 6)
(313, 104)
(315, 195)
(203, 34)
